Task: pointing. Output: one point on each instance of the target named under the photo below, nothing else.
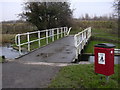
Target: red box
(104, 59)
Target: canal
(10, 53)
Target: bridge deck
(60, 51)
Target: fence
(43, 34)
(81, 39)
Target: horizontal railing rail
(81, 39)
(42, 34)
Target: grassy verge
(90, 46)
(75, 31)
(83, 76)
(1, 60)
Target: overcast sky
(10, 9)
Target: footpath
(38, 68)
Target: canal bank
(9, 52)
(90, 58)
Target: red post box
(104, 58)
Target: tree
(87, 16)
(48, 14)
(116, 6)
(117, 9)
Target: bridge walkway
(60, 51)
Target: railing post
(19, 45)
(68, 31)
(90, 30)
(75, 38)
(52, 34)
(64, 32)
(39, 38)
(85, 36)
(82, 39)
(46, 36)
(61, 33)
(28, 39)
(79, 45)
(57, 33)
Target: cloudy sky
(10, 9)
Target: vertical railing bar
(75, 38)
(57, 33)
(46, 36)
(28, 39)
(64, 32)
(19, 45)
(61, 33)
(39, 38)
(52, 34)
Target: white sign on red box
(101, 58)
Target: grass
(90, 46)
(75, 31)
(1, 60)
(105, 33)
(35, 45)
(83, 76)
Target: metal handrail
(48, 33)
(81, 39)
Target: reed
(7, 38)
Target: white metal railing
(81, 39)
(59, 32)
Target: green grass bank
(83, 76)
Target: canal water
(9, 52)
(91, 59)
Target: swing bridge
(59, 45)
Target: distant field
(7, 38)
(105, 34)
(100, 30)
(17, 27)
